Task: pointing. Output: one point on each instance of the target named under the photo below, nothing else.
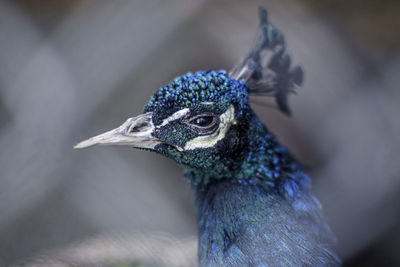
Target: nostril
(138, 127)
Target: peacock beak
(136, 132)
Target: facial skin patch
(226, 120)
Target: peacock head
(199, 120)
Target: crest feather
(267, 67)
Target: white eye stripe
(179, 114)
(226, 120)
(176, 116)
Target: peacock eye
(203, 121)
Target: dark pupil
(203, 121)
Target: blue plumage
(263, 220)
(253, 201)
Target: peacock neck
(261, 161)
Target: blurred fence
(71, 69)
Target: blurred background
(70, 69)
